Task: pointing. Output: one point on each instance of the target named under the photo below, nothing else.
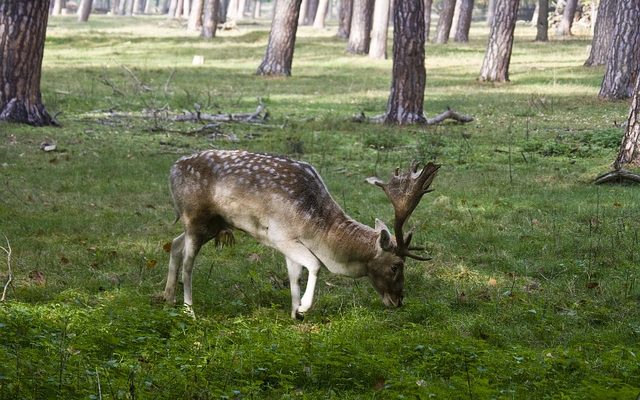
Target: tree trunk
(427, 18)
(312, 9)
(406, 98)
(257, 8)
(150, 7)
(84, 10)
(58, 5)
(172, 9)
(564, 29)
(378, 47)
(344, 18)
(222, 10)
(23, 26)
(114, 6)
(129, 10)
(242, 4)
(622, 62)
(491, 11)
(495, 67)
(444, 21)
(536, 12)
(361, 21)
(122, 7)
(195, 18)
(630, 146)
(137, 6)
(210, 19)
(542, 23)
(464, 21)
(321, 14)
(603, 33)
(303, 12)
(232, 9)
(282, 39)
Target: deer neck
(345, 246)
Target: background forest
(532, 290)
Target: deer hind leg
(192, 245)
(175, 260)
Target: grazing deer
(285, 204)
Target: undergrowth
(532, 291)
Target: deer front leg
(175, 259)
(297, 256)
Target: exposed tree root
(443, 116)
(17, 111)
(618, 176)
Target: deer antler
(405, 190)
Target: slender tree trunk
(321, 14)
(224, 8)
(129, 10)
(345, 14)
(195, 18)
(361, 21)
(495, 67)
(137, 6)
(623, 60)
(312, 9)
(464, 21)
(456, 16)
(536, 12)
(427, 18)
(232, 9)
(603, 33)
(58, 5)
(23, 26)
(84, 10)
(630, 146)
(186, 8)
(378, 47)
(257, 8)
(242, 4)
(542, 23)
(179, 8)
(122, 7)
(444, 21)
(210, 19)
(491, 11)
(282, 38)
(303, 12)
(172, 9)
(150, 7)
(564, 29)
(406, 98)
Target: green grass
(532, 291)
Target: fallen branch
(618, 176)
(443, 116)
(258, 116)
(7, 250)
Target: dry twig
(7, 250)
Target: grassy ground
(532, 291)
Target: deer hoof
(188, 310)
(299, 316)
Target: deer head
(405, 190)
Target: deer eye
(395, 268)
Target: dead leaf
(37, 277)
(379, 383)
(254, 257)
(592, 285)
(167, 247)
(151, 264)
(64, 259)
(492, 282)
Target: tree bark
(257, 8)
(195, 18)
(344, 18)
(282, 38)
(622, 63)
(150, 7)
(564, 28)
(603, 33)
(445, 21)
(321, 14)
(427, 18)
(58, 5)
(242, 4)
(114, 6)
(406, 98)
(138, 6)
(172, 9)
(186, 8)
(491, 11)
(84, 10)
(630, 146)
(542, 23)
(464, 21)
(23, 26)
(361, 21)
(378, 47)
(210, 19)
(495, 67)
(312, 9)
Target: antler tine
(405, 190)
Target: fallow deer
(285, 204)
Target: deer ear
(384, 237)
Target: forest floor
(532, 291)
